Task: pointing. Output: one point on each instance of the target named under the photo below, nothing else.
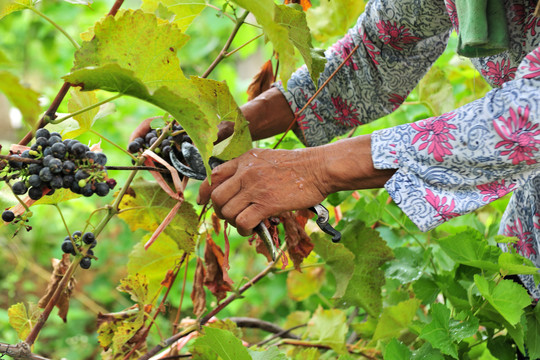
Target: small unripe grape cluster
(79, 240)
(67, 164)
(170, 143)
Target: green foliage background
(426, 303)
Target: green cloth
(482, 27)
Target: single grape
(88, 238)
(86, 262)
(25, 154)
(19, 188)
(43, 142)
(101, 159)
(76, 235)
(56, 134)
(87, 190)
(90, 155)
(56, 182)
(78, 150)
(51, 192)
(94, 244)
(67, 142)
(59, 150)
(56, 166)
(34, 180)
(75, 188)
(8, 216)
(67, 180)
(35, 193)
(67, 247)
(43, 133)
(68, 167)
(134, 147)
(34, 169)
(81, 174)
(90, 252)
(46, 160)
(47, 151)
(34, 147)
(151, 135)
(140, 140)
(102, 189)
(54, 139)
(45, 174)
(111, 183)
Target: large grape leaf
(395, 318)
(370, 252)
(332, 18)
(20, 96)
(22, 319)
(396, 350)
(223, 343)
(135, 54)
(9, 6)
(328, 327)
(149, 205)
(470, 248)
(533, 333)
(507, 297)
(154, 262)
(185, 11)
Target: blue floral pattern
(450, 164)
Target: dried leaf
(306, 4)
(198, 295)
(299, 244)
(169, 279)
(261, 81)
(216, 223)
(216, 278)
(59, 269)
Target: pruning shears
(195, 170)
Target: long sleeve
(398, 43)
(457, 162)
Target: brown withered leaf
(261, 81)
(59, 269)
(198, 295)
(260, 246)
(299, 244)
(216, 223)
(306, 4)
(216, 278)
(169, 279)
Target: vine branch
(20, 351)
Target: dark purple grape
(25, 154)
(34, 180)
(90, 155)
(88, 238)
(34, 169)
(47, 152)
(76, 235)
(68, 167)
(35, 193)
(78, 150)
(46, 160)
(19, 188)
(102, 189)
(59, 150)
(86, 262)
(45, 174)
(81, 174)
(57, 182)
(54, 139)
(55, 165)
(87, 190)
(67, 247)
(134, 147)
(67, 181)
(8, 216)
(75, 188)
(101, 159)
(43, 133)
(43, 142)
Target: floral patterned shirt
(450, 164)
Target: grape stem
(58, 27)
(19, 159)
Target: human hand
(262, 183)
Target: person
(434, 169)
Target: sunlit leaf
(185, 11)
(154, 262)
(271, 353)
(507, 297)
(136, 286)
(395, 319)
(20, 96)
(513, 264)
(332, 18)
(4, 59)
(22, 320)
(223, 343)
(328, 327)
(301, 285)
(136, 54)
(435, 89)
(60, 195)
(149, 205)
(9, 6)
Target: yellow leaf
(22, 319)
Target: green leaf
(116, 332)
(533, 333)
(407, 265)
(502, 347)
(4, 59)
(136, 54)
(299, 34)
(338, 258)
(514, 264)
(150, 205)
(154, 262)
(426, 290)
(136, 286)
(507, 297)
(470, 248)
(395, 319)
(436, 90)
(427, 352)
(9, 6)
(265, 12)
(22, 320)
(328, 327)
(301, 285)
(20, 96)
(437, 332)
(271, 353)
(223, 343)
(364, 288)
(395, 350)
(185, 11)
(332, 18)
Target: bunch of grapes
(72, 245)
(177, 135)
(58, 163)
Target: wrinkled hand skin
(263, 183)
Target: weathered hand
(262, 183)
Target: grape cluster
(177, 135)
(79, 240)
(67, 164)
